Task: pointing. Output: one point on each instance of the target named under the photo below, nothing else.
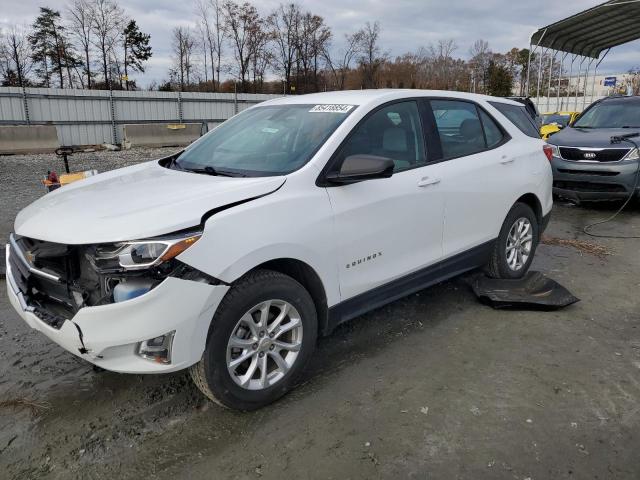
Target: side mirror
(357, 168)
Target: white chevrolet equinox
(232, 256)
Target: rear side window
(463, 128)
(519, 117)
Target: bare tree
(314, 35)
(183, 47)
(479, 63)
(241, 21)
(211, 26)
(260, 55)
(371, 56)
(443, 63)
(340, 63)
(218, 25)
(15, 56)
(81, 19)
(205, 45)
(284, 25)
(107, 26)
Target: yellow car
(556, 121)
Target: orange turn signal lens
(179, 247)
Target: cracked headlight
(141, 254)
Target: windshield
(562, 120)
(614, 114)
(264, 141)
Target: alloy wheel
(264, 344)
(519, 244)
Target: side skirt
(414, 282)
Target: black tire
(211, 374)
(497, 267)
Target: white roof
(378, 96)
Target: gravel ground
(21, 175)
(434, 386)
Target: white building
(599, 87)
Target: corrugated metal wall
(93, 117)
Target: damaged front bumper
(109, 335)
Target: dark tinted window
(394, 132)
(519, 117)
(460, 126)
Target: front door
(387, 228)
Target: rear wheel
(514, 249)
(262, 336)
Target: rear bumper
(594, 180)
(108, 335)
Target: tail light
(548, 151)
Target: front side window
(519, 117)
(264, 141)
(460, 128)
(611, 114)
(393, 132)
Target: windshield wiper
(208, 170)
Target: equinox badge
(359, 261)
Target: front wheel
(262, 335)
(514, 249)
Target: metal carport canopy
(590, 32)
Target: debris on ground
(18, 403)
(582, 246)
(533, 291)
(110, 147)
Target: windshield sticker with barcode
(331, 108)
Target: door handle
(507, 161)
(426, 181)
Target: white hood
(132, 203)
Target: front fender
(294, 222)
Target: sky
(406, 24)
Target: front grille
(593, 187)
(20, 271)
(49, 300)
(606, 155)
(588, 172)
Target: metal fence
(93, 117)
(557, 104)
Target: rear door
(479, 173)
(387, 228)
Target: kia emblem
(589, 155)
